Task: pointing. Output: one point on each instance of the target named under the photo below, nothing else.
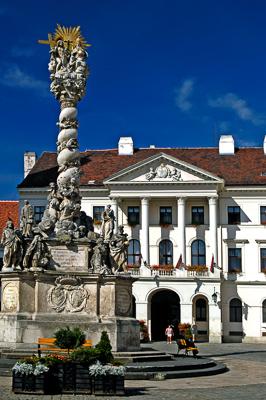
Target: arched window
(201, 310)
(235, 310)
(198, 256)
(166, 252)
(133, 252)
(264, 311)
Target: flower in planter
(25, 368)
(98, 369)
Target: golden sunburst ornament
(70, 36)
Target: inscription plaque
(69, 259)
(124, 302)
(10, 298)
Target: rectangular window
(165, 215)
(263, 260)
(97, 214)
(263, 215)
(38, 213)
(233, 215)
(133, 215)
(197, 215)
(234, 260)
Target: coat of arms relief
(164, 172)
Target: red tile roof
(8, 210)
(246, 167)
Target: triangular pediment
(162, 168)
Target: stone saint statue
(37, 255)
(118, 250)
(99, 258)
(108, 222)
(12, 243)
(27, 219)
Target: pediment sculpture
(164, 172)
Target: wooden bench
(48, 345)
(188, 346)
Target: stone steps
(218, 368)
(142, 356)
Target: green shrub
(86, 356)
(105, 349)
(69, 339)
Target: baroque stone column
(213, 227)
(145, 230)
(68, 74)
(181, 201)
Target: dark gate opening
(165, 310)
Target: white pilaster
(145, 230)
(181, 202)
(213, 227)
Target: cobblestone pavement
(246, 379)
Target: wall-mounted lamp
(215, 296)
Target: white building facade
(196, 224)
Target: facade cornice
(236, 241)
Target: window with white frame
(263, 260)
(166, 252)
(97, 214)
(264, 311)
(235, 310)
(165, 215)
(133, 252)
(38, 213)
(263, 215)
(197, 215)
(198, 252)
(234, 259)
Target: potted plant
(34, 375)
(69, 339)
(107, 379)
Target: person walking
(169, 334)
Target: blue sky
(166, 72)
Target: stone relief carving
(163, 172)
(68, 295)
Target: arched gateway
(165, 309)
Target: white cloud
(232, 102)
(14, 77)
(183, 93)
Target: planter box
(74, 378)
(68, 378)
(109, 384)
(29, 384)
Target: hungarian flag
(179, 263)
(212, 264)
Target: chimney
(264, 145)
(226, 145)
(125, 146)
(29, 161)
